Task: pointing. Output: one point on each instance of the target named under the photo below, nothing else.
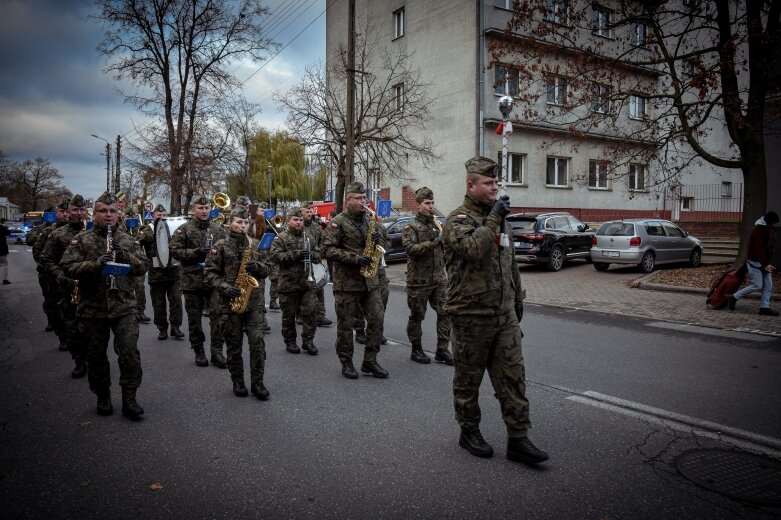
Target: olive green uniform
(53, 293)
(163, 283)
(316, 237)
(360, 320)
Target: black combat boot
(240, 389)
(360, 337)
(292, 348)
(309, 348)
(130, 408)
(767, 311)
(63, 347)
(273, 305)
(373, 368)
(259, 390)
(299, 320)
(143, 318)
(443, 356)
(163, 334)
(473, 442)
(383, 340)
(80, 370)
(521, 449)
(419, 356)
(322, 321)
(105, 407)
(218, 360)
(49, 327)
(348, 370)
(266, 328)
(176, 332)
(200, 357)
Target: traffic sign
(120, 203)
(148, 215)
(269, 213)
(148, 206)
(384, 208)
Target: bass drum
(320, 274)
(164, 230)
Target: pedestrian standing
(4, 232)
(485, 304)
(426, 278)
(759, 256)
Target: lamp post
(505, 107)
(108, 160)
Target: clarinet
(109, 243)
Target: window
(512, 76)
(654, 228)
(556, 91)
(515, 163)
(556, 11)
(597, 174)
(504, 4)
(687, 203)
(558, 223)
(672, 230)
(556, 172)
(726, 189)
(638, 107)
(636, 177)
(637, 34)
(398, 23)
(398, 94)
(600, 98)
(600, 21)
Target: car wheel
(556, 260)
(648, 262)
(599, 266)
(696, 257)
(589, 260)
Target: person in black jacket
(758, 258)
(4, 232)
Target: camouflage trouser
(321, 302)
(492, 343)
(304, 301)
(418, 299)
(49, 305)
(234, 326)
(163, 293)
(74, 339)
(96, 332)
(140, 294)
(273, 277)
(55, 296)
(360, 319)
(194, 303)
(347, 305)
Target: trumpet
(308, 262)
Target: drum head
(164, 229)
(320, 274)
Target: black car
(550, 238)
(394, 225)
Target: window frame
(399, 23)
(596, 21)
(687, 203)
(557, 160)
(632, 177)
(508, 4)
(634, 38)
(634, 101)
(556, 88)
(553, 11)
(600, 98)
(398, 95)
(513, 158)
(605, 166)
(726, 189)
(514, 80)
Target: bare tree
(33, 183)
(392, 103)
(179, 54)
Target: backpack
(723, 286)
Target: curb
(644, 283)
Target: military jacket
(344, 243)
(40, 242)
(185, 245)
(55, 248)
(425, 257)
(284, 252)
(81, 261)
(315, 232)
(222, 269)
(146, 237)
(483, 279)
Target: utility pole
(116, 182)
(108, 166)
(268, 178)
(350, 152)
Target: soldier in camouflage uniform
(163, 283)
(344, 244)
(51, 292)
(103, 310)
(426, 279)
(140, 286)
(360, 319)
(222, 270)
(190, 244)
(315, 233)
(485, 304)
(290, 253)
(56, 245)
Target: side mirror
(582, 228)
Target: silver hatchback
(643, 242)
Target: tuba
(372, 250)
(244, 281)
(222, 201)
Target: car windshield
(523, 226)
(617, 229)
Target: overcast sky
(53, 94)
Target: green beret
(107, 198)
(295, 212)
(202, 199)
(355, 187)
(243, 201)
(240, 212)
(483, 166)
(424, 194)
(78, 201)
(160, 208)
(64, 203)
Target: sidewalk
(580, 286)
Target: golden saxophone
(244, 281)
(372, 250)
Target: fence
(705, 202)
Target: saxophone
(244, 281)
(372, 250)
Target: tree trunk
(754, 194)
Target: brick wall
(385, 193)
(712, 229)
(408, 202)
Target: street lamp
(108, 159)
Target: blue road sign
(214, 212)
(131, 223)
(383, 208)
(148, 215)
(50, 216)
(265, 242)
(269, 213)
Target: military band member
(426, 279)
(107, 305)
(190, 245)
(291, 254)
(163, 283)
(55, 248)
(51, 292)
(223, 269)
(315, 232)
(344, 244)
(140, 285)
(485, 304)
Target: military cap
(64, 203)
(423, 194)
(202, 199)
(295, 212)
(160, 208)
(78, 201)
(107, 198)
(239, 212)
(483, 166)
(243, 201)
(355, 187)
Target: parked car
(395, 225)
(17, 236)
(644, 242)
(550, 238)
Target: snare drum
(320, 274)
(164, 229)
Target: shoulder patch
(179, 231)
(74, 242)
(214, 251)
(334, 225)
(407, 227)
(460, 216)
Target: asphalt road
(328, 447)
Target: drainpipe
(480, 145)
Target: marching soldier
(315, 233)
(107, 304)
(163, 283)
(140, 286)
(426, 278)
(344, 244)
(51, 292)
(360, 318)
(292, 254)
(190, 245)
(53, 251)
(485, 302)
(224, 274)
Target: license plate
(611, 253)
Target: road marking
(735, 334)
(770, 446)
